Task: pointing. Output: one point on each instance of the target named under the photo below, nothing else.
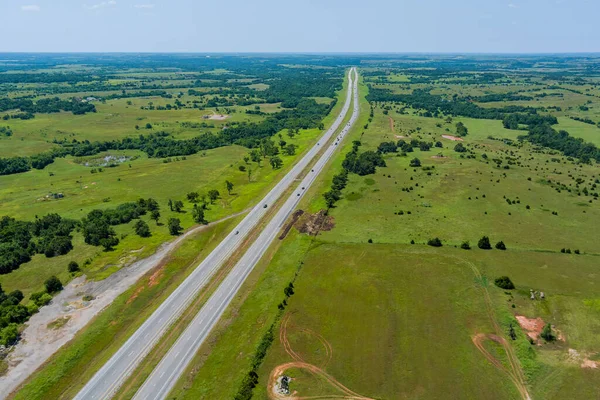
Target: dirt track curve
(299, 362)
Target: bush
(40, 299)
(53, 284)
(547, 333)
(435, 242)
(175, 226)
(73, 267)
(500, 245)
(484, 243)
(415, 162)
(9, 335)
(142, 229)
(504, 282)
(465, 245)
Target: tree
(547, 333)
(170, 204)
(484, 243)
(53, 284)
(465, 245)
(435, 242)
(213, 195)
(415, 162)
(289, 290)
(255, 156)
(155, 215)
(193, 197)
(198, 215)
(331, 197)
(73, 267)
(109, 243)
(229, 187)
(459, 148)
(276, 162)
(148, 125)
(141, 228)
(504, 282)
(461, 129)
(178, 205)
(290, 149)
(500, 245)
(175, 226)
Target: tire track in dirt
(391, 124)
(515, 373)
(313, 369)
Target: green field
(390, 319)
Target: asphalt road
(171, 367)
(105, 383)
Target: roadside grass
(75, 363)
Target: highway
(106, 382)
(160, 382)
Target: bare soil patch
(533, 326)
(453, 138)
(311, 224)
(297, 214)
(391, 124)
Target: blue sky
(504, 26)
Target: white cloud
(101, 5)
(31, 8)
(145, 6)
(512, 5)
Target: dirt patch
(216, 117)
(312, 224)
(584, 362)
(439, 156)
(155, 277)
(297, 214)
(391, 124)
(400, 137)
(454, 138)
(533, 327)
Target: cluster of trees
(338, 184)
(496, 97)
(307, 115)
(97, 225)
(364, 163)
(512, 121)
(545, 135)
(5, 131)
(13, 313)
(46, 106)
(19, 240)
(504, 282)
(436, 105)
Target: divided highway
(160, 382)
(105, 383)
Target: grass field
(395, 320)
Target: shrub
(547, 333)
(435, 242)
(142, 229)
(504, 282)
(465, 245)
(73, 267)
(500, 245)
(53, 284)
(415, 162)
(484, 243)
